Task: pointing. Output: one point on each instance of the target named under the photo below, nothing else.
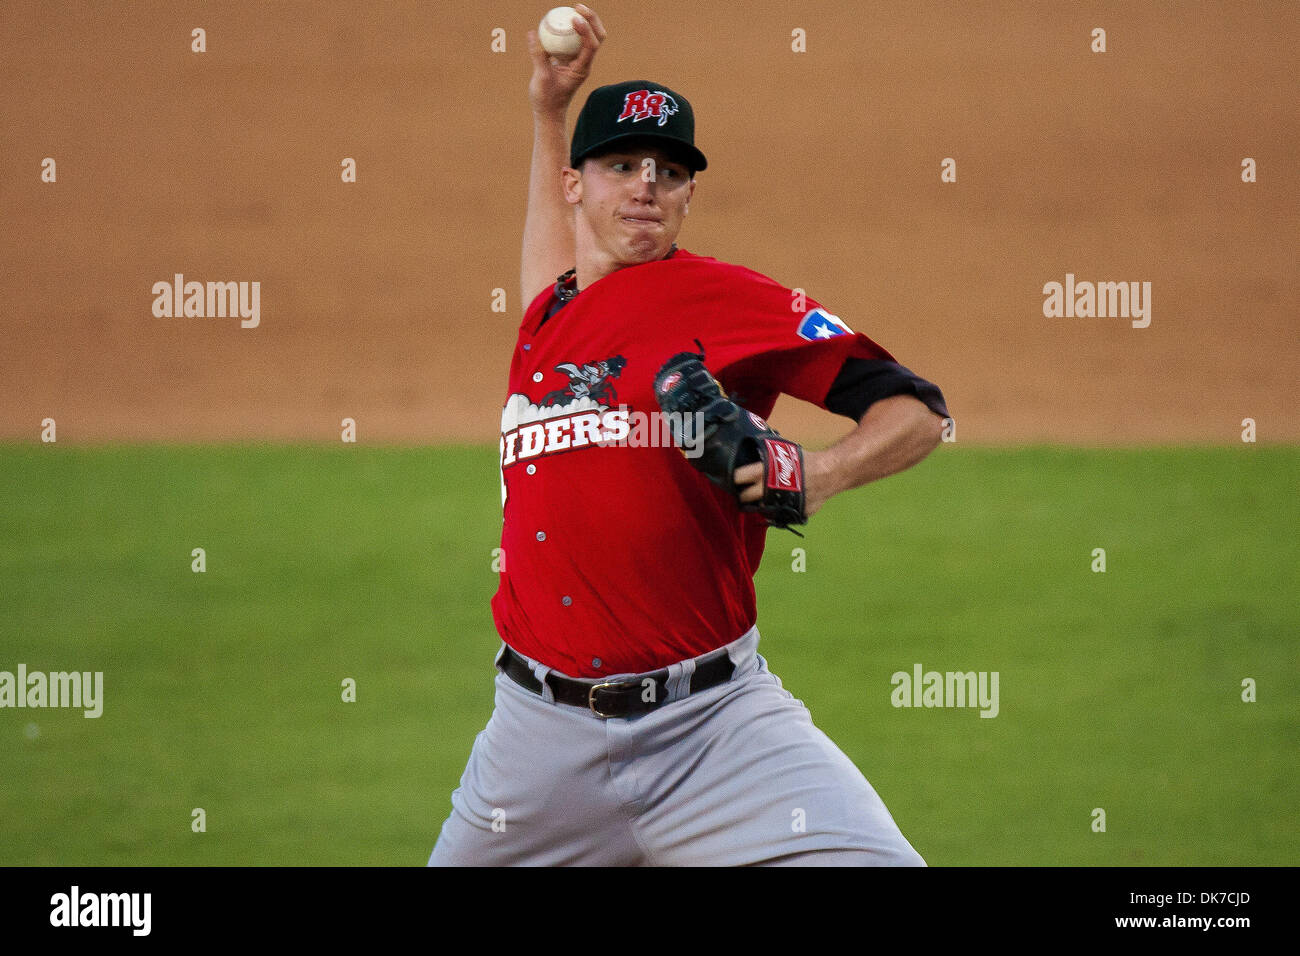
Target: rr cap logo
(642, 104)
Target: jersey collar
(566, 290)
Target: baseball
(557, 35)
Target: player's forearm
(894, 435)
(548, 223)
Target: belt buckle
(591, 696)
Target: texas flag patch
(820, 324)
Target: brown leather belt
(615, 698)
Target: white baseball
(557, 35)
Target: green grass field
(1119, 690)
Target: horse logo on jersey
(592, 380)
(576, 416)
(643, 104)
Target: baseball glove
(727, 437)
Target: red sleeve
(766, 339)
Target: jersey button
(537, 376)
(531, 469)
(566, 600)
(528, 346)
(596, 662)
(541, 536)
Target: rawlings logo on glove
(787, 475)
(733, 437)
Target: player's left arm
(893, 435)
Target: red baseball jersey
(618, 556)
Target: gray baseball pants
(731, 776)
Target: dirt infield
(376, 296)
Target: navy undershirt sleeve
(863, 382)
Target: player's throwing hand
(554, 80)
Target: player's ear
(571, 183)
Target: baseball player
(635, 722)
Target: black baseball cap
(637, 109)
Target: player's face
(630, 204)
